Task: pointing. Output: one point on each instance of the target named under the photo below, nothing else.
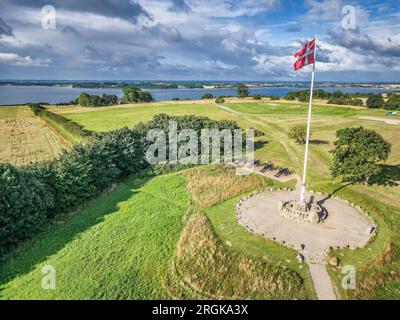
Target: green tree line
(30, 197)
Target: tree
(257, 97)
(357, 153)
(220, 99)
(393, 102)
(84, 99)
(207, 96)
(24, 204)
(134, 95)
(337, 94)
(375, 101)
(298, 134)
(242, 91)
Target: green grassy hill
(125, 245)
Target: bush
(393, 102)
(207, 96)
(375, 101)
(298, 134)
(220, 100)
(257, 96)
(346, 101)
(24, 204)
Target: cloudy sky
(198, 39)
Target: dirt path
(227, 109)
(385, 120)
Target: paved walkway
(322, 282)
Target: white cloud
(16, 60)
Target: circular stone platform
(345, 225)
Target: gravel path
(344, 227)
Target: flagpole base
(302, 193)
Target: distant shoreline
(177, 85)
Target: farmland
(116, 239)
(25, 138)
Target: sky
(358, 41)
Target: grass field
(275, 119)
(93, 235)
(25, 138)
(125, 245)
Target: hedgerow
(70, 126)
(31, 196)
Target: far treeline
(352, 99)
(131, 95)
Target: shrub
(207, 96)
(220, 100)
(257, 97)
(298, 134)
(346, 101)
(24, 203)
(393, 102)
(375, 101)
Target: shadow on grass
(56, 236)
(260, 144)
(389, 176)
(316, 141)
(322, 201)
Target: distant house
(208, 87)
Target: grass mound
(207, 270)
(213, 184)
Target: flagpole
(303, 186)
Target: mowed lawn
(124, 245)
(275, 119)
(26, 139)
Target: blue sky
(199, 39)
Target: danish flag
(305, 56)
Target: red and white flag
(305, 56)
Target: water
(10, 95)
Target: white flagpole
(303, 186)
